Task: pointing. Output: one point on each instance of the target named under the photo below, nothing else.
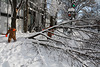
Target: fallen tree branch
(53, 27)
(81, 40)
(67, 50)
(53, 39)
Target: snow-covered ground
(25, 53)
(22, 53)
(15, 54)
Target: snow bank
(23, 53)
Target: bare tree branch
(20, 5)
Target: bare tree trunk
(13, 23)
(44, 16)
(26, 16)
(51, 20)
(34, 19)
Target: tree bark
(26, 17)
(13, 23)
(44, 16)
(51, 21)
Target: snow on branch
(69, 51)
(64, 42)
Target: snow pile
(34, 53)
(25, 54)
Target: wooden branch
(46, 44)
(84, 54)
(67, 37)
(53, 27)
(84, 49)
(19, 6)
(77, 58)
(53, 39)
(79, 29)
(67, 50)
(58, 26)
(84, 26)
(81, 40)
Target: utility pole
(26, 16)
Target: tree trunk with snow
(44, 14)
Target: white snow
(24, 53)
